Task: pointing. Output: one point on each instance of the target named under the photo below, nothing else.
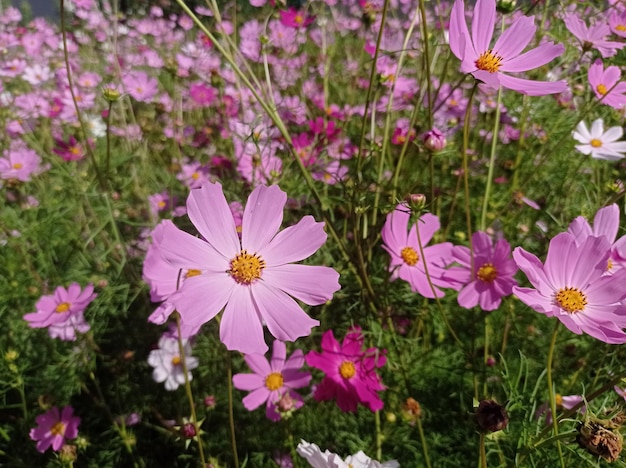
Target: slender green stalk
(194, 417)
(466, 129)
(420, 429)
(379, 436)
(555, 422)
(492, 161)
(231, 413)
(483, 454)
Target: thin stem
(492, 161)
(194, 417)
(231, 413)
(555, 422)
(379, 436)
(483, 453)
(466, 129)
(423, 442)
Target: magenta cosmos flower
(273, 382)
(492, 276)
(53, 427)
(61, 307)
(572, 287)
(404, 249)
(351, 376)
(252, 279)
(489, 64)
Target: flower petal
(483, 20)
(285, 319)
(531, 87)
(248, 382)
(534, 58)
(294, 243)
(241, 328)
(515, 39)
(310, 284)
(262, 217)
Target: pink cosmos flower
(592, 37)
(617, 23)
(295, 18)
(489, 64)
(53, 427)
(351, 376)
(606, 85)
(562, 402)
(253, 280)
(598, 143)
(19, 163)
(404, 249)
(492, 277)
(272, 381)
(62, 312)
(140, 86)
(572, 287)
(605, 223)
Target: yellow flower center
(58, 429)
(595, 143)
(274, 381)
(299, 19)
(601, 89)
(347, 369)
(18, 166)
(571, 299)
(62, 307)
(489, 61)
(176, 361)
(75, 150)
(246, 268)
(409, 255)
(195, 176)
(558, 399)
(487, 273)
(191, 273)
(609, 265)
(621, 27)
(161, 204)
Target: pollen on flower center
(595, 143)
(571, 299)
(58, 429)
(274, 381)
(246, 268)
(558, 399)
(621, 27)
(487, 273)
(609, 265)
(17, 166)
(489, 61)
(347, 369)
(62, 307)
(409, 255)
(601, 89)
(176, 361)
(191, 273)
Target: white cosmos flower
(318, 459)
(598, 143)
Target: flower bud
(491, 416)
(434, 140)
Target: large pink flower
(252, 279)
(489, 64)
(572, 287)
(273, 382)
(606, 84)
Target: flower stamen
(62, 307)
(246, 268)
(274, 381)
(595, 143)
(347, 369)
(409, 255)
(487, 273)
(489, 61)
(571, 300)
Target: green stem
(492, 161)
(420, 428)
(483, 453)
(194, 417)
(555, 422)
(231, 413)
(466, 129)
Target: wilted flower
(491, 416)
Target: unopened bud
(434, 140)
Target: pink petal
(285, 319)
(483, 19)
(241, 328)
(460, 40)
(208, 210)
(248, 382)
(427, 225)
(279, 354)
(256, 398)
(533, 299)
(185, 251)
(202, 297)
(394, 232)
(533, 269)
(313, 285)
(515, 39)
(531, 87)
(294, 243)
(606, 221)
(262, 217)
(534, 58)
(258, 364)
